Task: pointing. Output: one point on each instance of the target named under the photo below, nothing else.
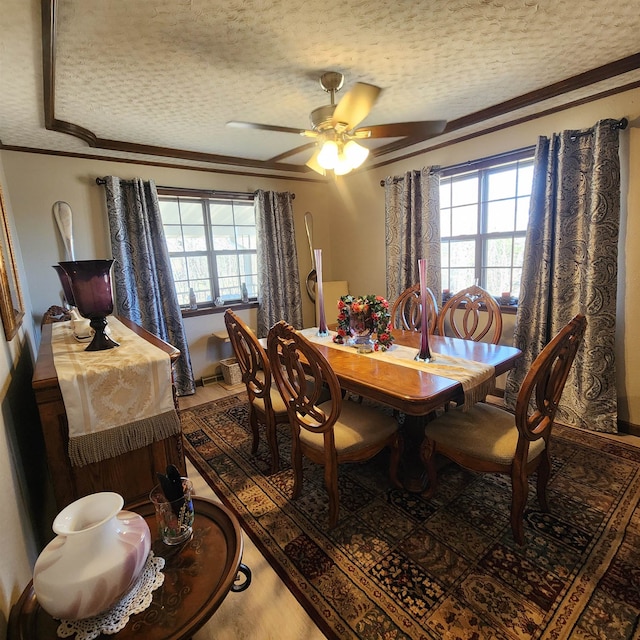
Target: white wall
(24, 510)
(627, 336)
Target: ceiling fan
(335, 130)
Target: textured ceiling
(171, 73)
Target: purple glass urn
(66, 285)
(91, 285)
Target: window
(483, 221)
(212, 245)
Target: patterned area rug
(397, 566)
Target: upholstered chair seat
(357, 426)
(485, 432)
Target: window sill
(207, 311)
(509, 309)
(506, 309)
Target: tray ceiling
(156, 80)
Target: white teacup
(81, 328)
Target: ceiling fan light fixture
(336, 130)
(328, 156)
(341, 156)
(355, 153)
(343, 165)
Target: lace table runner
(136, 600)
(477, 379)
(116, 400)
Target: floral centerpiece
(363, 316)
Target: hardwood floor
(266, 610)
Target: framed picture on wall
(11, 304)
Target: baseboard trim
(629, 428)
(624, 427)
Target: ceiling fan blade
(264, 127)
(355, 105)
(293, 152)
(423, 129)
(312, 163)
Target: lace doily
(136, 600)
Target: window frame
(207, 198)
(519, 159)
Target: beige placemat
(116, 400)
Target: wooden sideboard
(132, 475)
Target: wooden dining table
(412, 391)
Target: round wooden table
(198, 576)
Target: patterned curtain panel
(144, 287)
(278, 275)
(570, 266)
(412, 229)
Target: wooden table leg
(413, 475)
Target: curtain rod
(514, 155)
(619, 124)
(224, 194)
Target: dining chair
(329, 432)
(406, 311)
(265, 402)
(489, 439)
(471, 314)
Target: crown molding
(580, 81)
